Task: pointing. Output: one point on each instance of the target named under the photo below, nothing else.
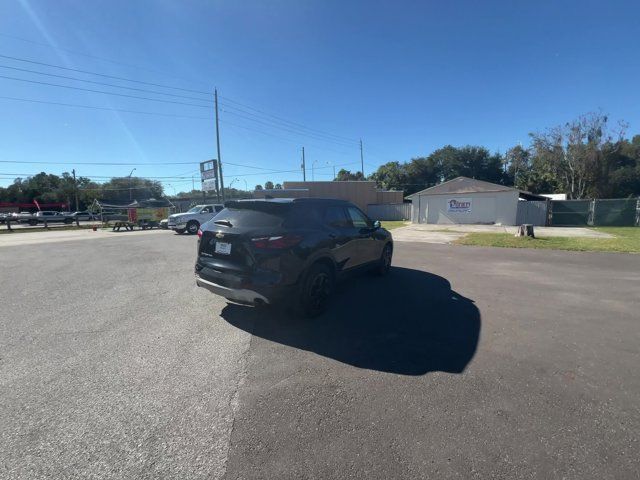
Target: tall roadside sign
(209, 177)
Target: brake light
(199, 233)
(278, 242)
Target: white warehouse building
(466, 200)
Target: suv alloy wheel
(192, 227)
(316, 291)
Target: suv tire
(316, 289)
(192, 227)
(384, 264)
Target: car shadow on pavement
(409, 322)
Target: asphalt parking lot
(463, 363)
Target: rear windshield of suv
(254, 214)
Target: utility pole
(130, 194)
(215, 94)
(361, 160)
(75, 187)
(304, 169)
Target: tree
(268, 185)
(391, 175)
(470, 161)
(517, 165)
(122, 190)
(345, 175)
(49, 188)
(191, 194)
(574, 153)
(278, 186)
(422, 173)
(258, 187)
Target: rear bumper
(259, 287)
(240, 295)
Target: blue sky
(406, 77)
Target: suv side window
(335, 217)
(303, 216)
(358, 219)
(219, 208)
(207, 210)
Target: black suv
(260, 252)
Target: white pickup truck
(191, 220)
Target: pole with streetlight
(231, 185)
(334, 168)
(130, 189)
(246, 186)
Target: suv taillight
(199, 233)
(277, 242)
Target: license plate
(223, 248)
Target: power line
(103, 92)
(108, 60)
(31, 100)
(325, 136)
(104, 83)
(93, 107)
(284, 139)
(303, 134)
(101, 74)
(171, 177)
(161, 114)
(135, 164)
(267, 170)
(284, 126)
(289, 121)
(289, 171)
(279, 121)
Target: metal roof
(463, 185)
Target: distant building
(362, 193)
(466, 200)
(554, 196)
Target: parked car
(24, 217)
(191, 220)
(259, 252)
(49, 216)
(83, 215)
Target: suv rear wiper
(223, 222)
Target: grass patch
(391, 224)
(626, 240)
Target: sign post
(209, 176)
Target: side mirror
(377, 224)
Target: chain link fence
(615, 212)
